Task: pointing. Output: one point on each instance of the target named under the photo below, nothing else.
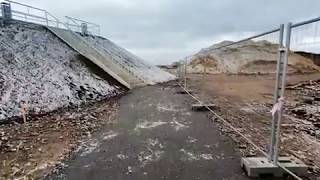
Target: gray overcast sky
(161, 31)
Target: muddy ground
(246, 100)
(151, 133)
(32, 150)
(156, 135)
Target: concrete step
(92, 52)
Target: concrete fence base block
(184, 92)
(203, 107)
(259, 166)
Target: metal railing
(76, 25)
(123, 66)
(40, 16)
(32, 14)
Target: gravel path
(156, 136)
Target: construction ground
(152, 133)
(78, 106)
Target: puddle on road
(191, 139)
(146, 157)
(169, 107)
(154, 143)
(191, 156)
(177, 125)
(92, 144)
(153, 153)
(87, 148)
(109, 135)
(122, 156)
(148, 125)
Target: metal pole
(178, 70)
(204, 67)
(249, 38)
(46, 15)
(283, 85)
(305, 22)
(276, 93)
(185, 73)
(181, 71)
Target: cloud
(161, 31)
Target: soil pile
(250, 57)
(42, 72)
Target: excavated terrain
(250, 57)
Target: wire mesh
(302, 106)
(239, 77)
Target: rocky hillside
(39, 70)
(247, 57)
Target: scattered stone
(317, 134)
(129, 170)
(299, 111)
(203, 107)
(308, 100)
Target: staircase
(136, 77)
(118, 71)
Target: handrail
(31, 15)
(24, 5)
(50, 18)
(75, 21)
(46, 18)
(137, 75)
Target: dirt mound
(38, 69)
(246, 58)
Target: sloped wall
(151, 74)
(38, 68)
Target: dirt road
(156, 136)
(245, 101)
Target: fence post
(283, 86)
(6, 11)
(185, 73)
(46, 16)
(276, 94)
(84, 29)
(179, 71)
(181, 77)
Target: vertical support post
(204, 67)
(84, 29)
(46, 15)
(179, 72)
(181, 77)
(28, 10)
(283, 86)
(276, 94)
(185, 73)
(6, 11)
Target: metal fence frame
(279, 91)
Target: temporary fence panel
(305, 39)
